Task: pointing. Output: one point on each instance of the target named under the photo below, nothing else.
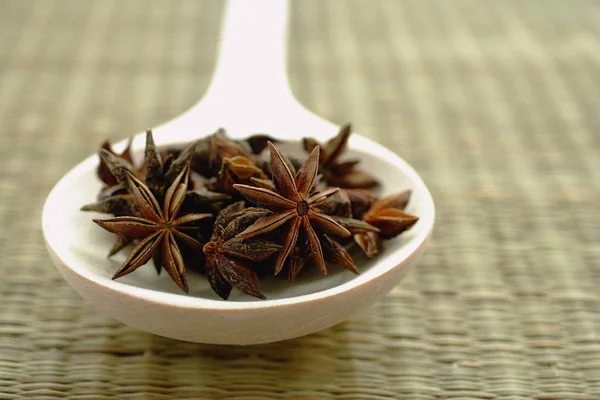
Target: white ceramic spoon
(249, 94)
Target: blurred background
(495, 104)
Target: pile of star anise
(236, 210)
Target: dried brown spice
(159, 174)
(213, 150)
(355, 225)
(158, 170)
(360, 201)
(202, 196)
(159, 206)
(296, 261)
(221, 147)
(293, 205)
(238, 169)
(120, 243)
(103, 171)
(229, 259)
(339, 205)
(114, 198)
(388, 216)
(258, 142)
(340, 173)
(124, 205)
(160, 230)
(263, 183)
(118, 205)
(118, 169)
(335, 253)
(342, 207)
(156, 174)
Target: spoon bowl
(311, 303)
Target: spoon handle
(251, 68)
(249, 91)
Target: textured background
(496, 104)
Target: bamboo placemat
(496, 104)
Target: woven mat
(497, 105)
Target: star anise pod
(341, 209)
(339, 206)
(388, 216)
(360, 201)
(103, 171)
(258, 142)
(108, 158)
(201, 197)
(293, 205)
(114, 198)
(264, 183)
(221, 147)
(157, 175)
(228, 259)
(340, 173)
(160, 229)
(211, 152)
(118, 205)
(159, 169)
(238, 169)
(333, 252)
(296, 262)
